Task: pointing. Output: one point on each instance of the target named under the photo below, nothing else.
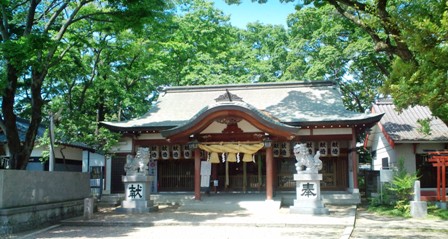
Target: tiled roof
(403, 126)
(22, 127)
(287, 102)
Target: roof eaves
(368, 121)
(116, 128)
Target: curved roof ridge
(250, 85)
(230, 105)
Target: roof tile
(404, 126)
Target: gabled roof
(268, 124)
(403, 126)
(291, 103)
(22, 127)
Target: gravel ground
(172, 222)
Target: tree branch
(90, 80)
(400, 48)
(63, 29)
(92, 15)
(54, 16)
(30, 17)
(4, 26)
(59, 58)
(47, 11)
(380, 45)
(353, 4)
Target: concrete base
(308, 195)
(309, 210)
(419, 209)
(18, 219)
(137, 195)
(315, 207)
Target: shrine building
(247, 132)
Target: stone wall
(31, 199)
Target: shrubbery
(399, 192)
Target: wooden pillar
(439, 176)
(354, 160)
(440, 160)
(269, 173)
(260, 173)
(197, 174)
(443, 180)
(244, 177)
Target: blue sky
(272, 12)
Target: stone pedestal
(309, 199)
(89, 204)
(137, 194)
(418, 208)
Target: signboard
(152, 166)
(206, 168)
(206, 171)
(386, 175)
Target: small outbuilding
(407, 135)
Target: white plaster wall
(247, 127)
(424, 147)
(151, 136)
(123, 146)
(214, 128)
(404, 152)
(69, 152)
(332, 131)
(383, 149)
(304, 132)
(37, 151)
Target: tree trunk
(20, 151)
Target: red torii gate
(439, 159)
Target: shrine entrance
(439, 159)
(240, 176)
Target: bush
(399, 192)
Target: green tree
(35, 37)
(199, 47)
(267, 49)
(110, 77)
(413, 34)
(325, 46)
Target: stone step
(108, 200)
(327, 198)
(286, 199)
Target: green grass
(437, 213)
(387, 211)
(434, 212)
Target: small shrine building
(247, 132)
